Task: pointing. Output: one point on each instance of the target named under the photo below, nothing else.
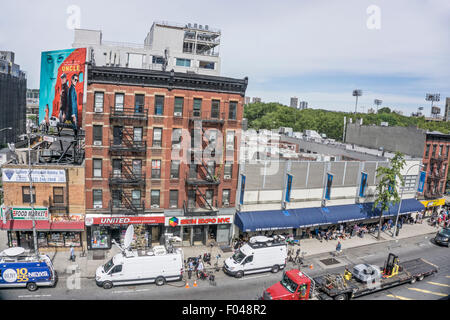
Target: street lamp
(356, 93)
(377, 103)
(36, 252)
(401, 196)
(9, 128)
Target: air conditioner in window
(227, 176)
(97, 206)
(176, 146)
(98, 109)
(226, 203)
(154, 206)
(97, 143)
(177, 114)
(172, 176)
(230, 147)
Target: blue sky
(318, 51)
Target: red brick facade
(435, 160)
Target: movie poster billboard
(62, 86)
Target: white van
(158, 265)
(260, 254)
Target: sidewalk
(87, 265)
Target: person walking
(199, 269)
(190, 269)
(338, 247)
(72, 254)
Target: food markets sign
(26, 213)
(123, 220)
(186, 221)
(37, 175)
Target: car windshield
(445, 232)
(238, 256)
(290, 285)
(107, 266)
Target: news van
(19, 268)
(158, 265)
(260, 254)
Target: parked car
(443, 236)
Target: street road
(250, 287)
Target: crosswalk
(430, 292)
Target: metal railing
(207, 116)
(127, 113)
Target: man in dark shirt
(73, 104)
(64, 111)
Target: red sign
(124, 220)
(205, 220)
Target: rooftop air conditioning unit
(177, 114)
(98, 109)
(195, 25)
(206, 27)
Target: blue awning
(307, 217)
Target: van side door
(248, 264)
(116, 273)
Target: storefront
(432, 206)
(101, 230)
(59, 231)
(200, 230)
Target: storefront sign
(328, 186)
(433, 203)
(363, 184)
(123, 220)
(67, 217)
(37, 175)
(187, 221)
(26, 214)
(288, 188)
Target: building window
(230, 140)
(118, 102)
(158, 59)
(116, 198)
(209, 194)
(178, 108)
(137, 167)
(197, 107)
(183, 62)
(226, 197)
(433, 153)
(159, 105)
(97, 166)
(206, 65)
(137, 134)
(446, 152)
(157, 137)
(173, 199)
(232, 110)
(154, 198)
(58, 195)
(228, 170)
(98, 135)
(97, 198)
(117, 135)
(117, 167)
(175, 169)
(26, 198)
(176, 137)
(211, 166)
(410, 183)
(427, 151)
(215, 109)
(139, 103)
(136, 198)
(98, 101)
(156, 169)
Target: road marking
(248, 278)
(439, 284)
(123, 291)
(35, 296)
(430, 263)
(398, 297)
(430, 292)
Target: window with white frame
(157, 137)
(410, 182)
(97, 168)
(98, 101)
(118, 102)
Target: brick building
(147, 133)
(435, 161)
(58, 196)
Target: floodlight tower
(377, 103)
(356, 93)
(432, 97)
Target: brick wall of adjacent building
(439, 159)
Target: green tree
(387, 192)
(384, 110)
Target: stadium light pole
(377, 103)
(401, 196)
(356, 93)
(433, 97)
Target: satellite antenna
(129, 234)
(12, 252)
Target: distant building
(246, 100)
(447, 109)
(371, 110)
(33, 103)
(303, 105)
(294, 102)
(256, 99)
(182, 47)
(13, 88)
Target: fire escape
(127, 182)
(202, 177)
(435, 178)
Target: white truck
(157, 265)
(260, 254)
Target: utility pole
(36, 252)
(378, 103)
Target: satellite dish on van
(12, 252)
(128, 237)
(260, 239)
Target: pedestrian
(390, 223)
(46, 119)
(439, 220)
(190, 269)
(72, 254)
(338, 247)
(199, 269)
